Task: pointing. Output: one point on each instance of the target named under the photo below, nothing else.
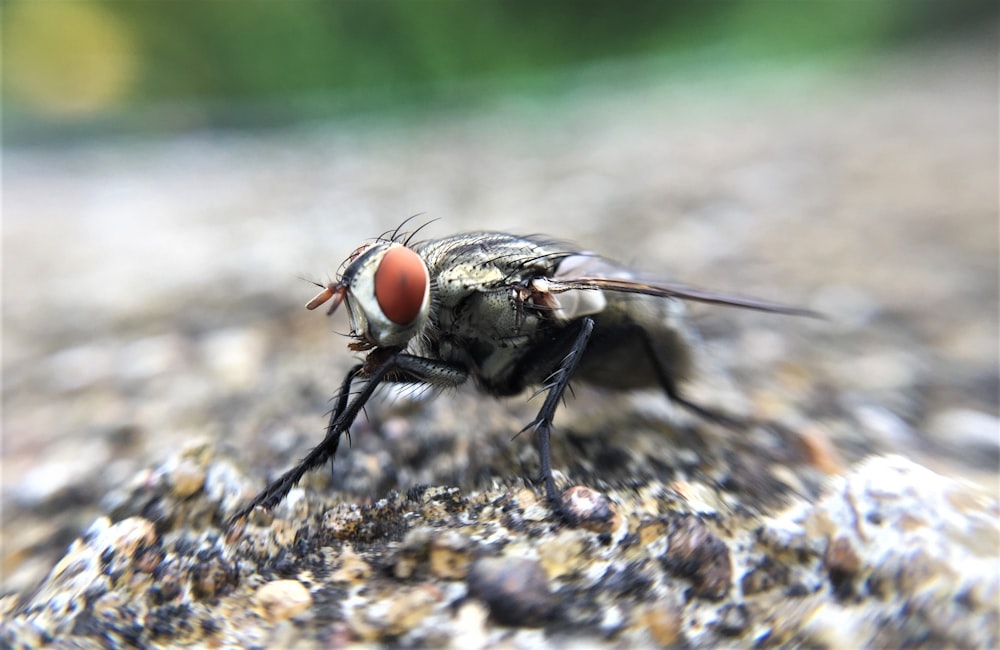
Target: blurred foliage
(79, 66)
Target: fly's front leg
(378, 368)
(542, 424)
(342, 397)
(406, 368)
(340, 419)
(413, 369)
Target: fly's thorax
(458, 280)
(387, 293)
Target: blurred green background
(75, 68)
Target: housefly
(507, 312)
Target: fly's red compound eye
(400, 285)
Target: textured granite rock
(889, 555)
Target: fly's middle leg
(542, 424)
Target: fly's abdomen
(635, 337)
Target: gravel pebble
(590, 509)
(280, 600)
(516, 590)
(696, 553)
(734, 619)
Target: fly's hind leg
(669, 385)
(542, 424)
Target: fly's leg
(340, 419)
(409, 368)
(669, 385)
(542, 424)
(413, 369)
(342, 397)
(395, 368)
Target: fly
(507, 312)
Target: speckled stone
(888, 532)
(590, 509)
(450, 556)
(696, 553)
(912, 548)
(279, 600)
(661, 621)
(516, 590)
(734, 619)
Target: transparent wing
(586, 272)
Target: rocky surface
(890, 555)
(158, 369)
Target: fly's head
(386, 287)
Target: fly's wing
(575, 289)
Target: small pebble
(819, 450)
(696, 553)
(413, 552)
(564, 553)
(663, 621)
(353, 567)
(734, 619)
(279, 600)
(187, 478)
(590, 509)
(764, 576)
(450, 556)
(409, 607)
(516, 590)
(842, 565)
